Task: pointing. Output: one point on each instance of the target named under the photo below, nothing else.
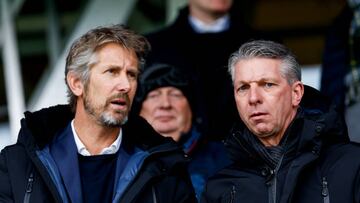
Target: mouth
(164, 118)
(119, 103)
(257, 115)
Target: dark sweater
(97, 177)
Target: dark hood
(318, 124)
(38, 128)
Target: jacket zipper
(272, 187)
(325, 190)
(153, 194)
(273, 181)
(232, 194)
(29, 188)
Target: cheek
(147, 110)
(133, 90)
(240, 105)
(186, 115)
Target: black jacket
(162, 176)
(319, 164)
(336, 58)
(204, 56)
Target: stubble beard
(103, 116)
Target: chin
(113, 120)
(164, 129)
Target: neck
(271, 141)
(174, 135)
(275, 139)
(94, 136)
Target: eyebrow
(135, 68)
(256, 81)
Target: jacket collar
(64, 152)
(44, 124)
(316, 125)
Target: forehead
(116, 53)
(165, 89)
(257, 68)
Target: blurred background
(35, 35)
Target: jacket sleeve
(5, 186)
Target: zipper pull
(29, 188)
(30, 183)
(325, 190)
(232, 194)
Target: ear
(297, 93)
(75, 84)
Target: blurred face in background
(168, 111)
(214, 7)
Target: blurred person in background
(340, 77)
(200, 41)
(167, 100)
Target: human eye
(133, 75)
(111, 71)
(268, 84)
(153, 95)
(176, 95)
(242, 88)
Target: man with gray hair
(90, 151)
(290, 145)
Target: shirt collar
(219, 25)
(112, 149)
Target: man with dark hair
(166, 99)
(200, 40)
(91, 150)
(291, 146)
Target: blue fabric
(206, 159)
(49, 163)
(122, 160)
(130, 171)
(64, 151)
(60, 158)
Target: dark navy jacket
(43, 165)
(319, 163)
(204, 56)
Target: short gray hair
(83, 52)
(290, 68)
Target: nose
(254, 96)
(123, 83)
(165, 101)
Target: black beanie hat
(163, 75)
